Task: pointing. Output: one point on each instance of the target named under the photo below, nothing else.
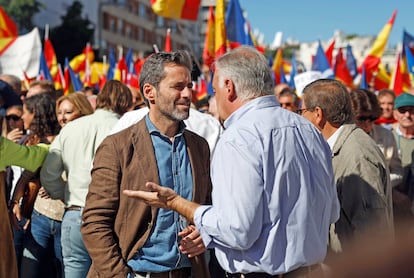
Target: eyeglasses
(363, 119)
(301, 111)
(13, 117)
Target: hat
(10, 97)
(404, 99)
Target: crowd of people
(255, 181)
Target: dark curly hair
(45, 122)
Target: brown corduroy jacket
(115, 226)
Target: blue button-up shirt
(160, 252)
(274, 195)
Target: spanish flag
(208, 51)
(220, 42)
(7, 26)
(179, 9)
(375, 71)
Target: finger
(138, 194)
(187, 231)
(192, 251)
(26, 226)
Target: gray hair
(152, 72)
(332, 97)
(248, 69)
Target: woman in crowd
(366, 109)
(39, 117)
(68, 108)
(71, 107)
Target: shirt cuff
(198, 221)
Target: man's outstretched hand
(164, 197)
(160, 196)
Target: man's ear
(149, 92)
(319, 117)
(231, 90)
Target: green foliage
(351, 36)
(70, 38)
(22, 11)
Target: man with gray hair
(273, 191)
(361, 173)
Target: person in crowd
(92, 101)
(13, 127)
(14, 131)
(13, 81)
(30, 158)
(386, 98)
(73, 152)
(273, 195)
(404, 135)
(278, 88)
(361, 172)
(90, 91)
(72, 106)
(367, 110)
(8, 97)
(288, 99)
(202, 105)
(137, 99)
(129, 238)
(36, 243)
(200, 123)
(41, 87)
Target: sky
(308, 21)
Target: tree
(22, 11)
(70, 38)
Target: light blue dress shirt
(160, 252)
(274, 195)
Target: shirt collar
(334, 137)
(259, 102)
(153, 130)
(399, 133)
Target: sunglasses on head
(13, 117)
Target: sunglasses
(13, 117)
(405, 109)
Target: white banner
(22, 55)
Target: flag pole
(46, 31)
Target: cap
(404, 99)
(10, 97)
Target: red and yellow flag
(397, 83)
(209, 45)
(50, 56)
(180, 9)
(341, 70)
(82, 61)
(220, 42)
(8, 27)
(375, 71)
(277, 65)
